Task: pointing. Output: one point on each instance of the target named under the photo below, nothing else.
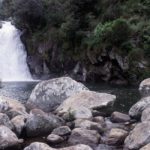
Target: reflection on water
(126, 95)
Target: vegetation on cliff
(109, 39)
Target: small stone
(86, 124)
(119, 117)
(146, 115)
(54, 139)
(116, 136)
(62, 131)
(100, 120)
(84, 136)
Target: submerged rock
(137, 109)
(84, 136)
(87, 99)
(145, 88)
(8, 139)
(138, 137)
(48, 95)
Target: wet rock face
(138, 137)
(87, 99)
(48, 95)
(145, 88)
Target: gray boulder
(87, 99)
(62, 131)
(38, 146)
(19, 124)
(116, 136)
(146, 147)
(4, 120)
(137, 109)
(42, 123)
(84, 136)
(8, 139)
(119, 117)
(48, 95)
(43, 146)
(145, 88)
(146, 115)
(138, 137)
(86, 124)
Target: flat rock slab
(87, 99)
(48, 95)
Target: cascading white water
(13, 66)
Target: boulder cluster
(62, 114)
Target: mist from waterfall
(13, 65)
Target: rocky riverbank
(65, 115)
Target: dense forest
(96, 40)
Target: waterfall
(13, 65)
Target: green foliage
(80, 26)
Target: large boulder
(48, 95)
(146, 115)
(88, 99)
(77, 147)
(137, 109)
(8, 139)
(138, 137)
(84, 136)
(145, 88)
(41, 123)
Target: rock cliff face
(46, 59)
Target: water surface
(126, 95)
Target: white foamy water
(13, 65)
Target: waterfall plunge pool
(126, 95)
